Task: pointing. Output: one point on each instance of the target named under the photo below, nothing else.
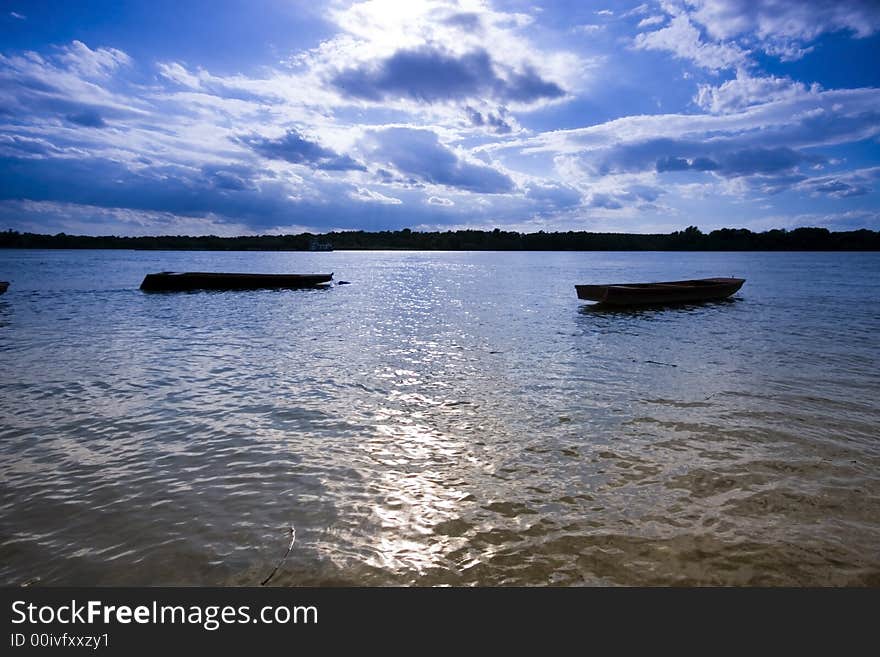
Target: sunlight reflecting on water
(448, 418)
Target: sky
(228, 118)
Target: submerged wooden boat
(3, 286)
(628, 294)
(168, 281)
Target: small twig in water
(292, 531)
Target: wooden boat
(627, 294)
(168, 281)
(3, 286)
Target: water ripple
(447, 419)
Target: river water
(446, 419)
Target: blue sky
(272, 117)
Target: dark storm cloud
(771, 170)
(761, 160)
(295, 148)
(230, 177)
(431, 75)
(528, 86)
(106, 183)
(840, 189)
(732, 158)
(682, 164)
(224, 192)
(843, 185)
(493, 121)
(419, 153)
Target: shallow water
(448, 418)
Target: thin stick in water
(292, 531)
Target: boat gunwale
(168, 281)
(662, 292)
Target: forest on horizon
(690, 239)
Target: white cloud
(847, 115)
(177, 73)
(683, 40)
(377, 29)
(588, 28)
(93, 63)
(91, 114)
(782, 28)
(370, 196)
(787, 19)
(764, 149)
(787, 51)
(76, 83)
(745, 91)
(637, 11)
(651, 20)
(553, 194)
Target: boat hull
(668, 292)
(181, 282)
(3, 286)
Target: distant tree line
(691, 239)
